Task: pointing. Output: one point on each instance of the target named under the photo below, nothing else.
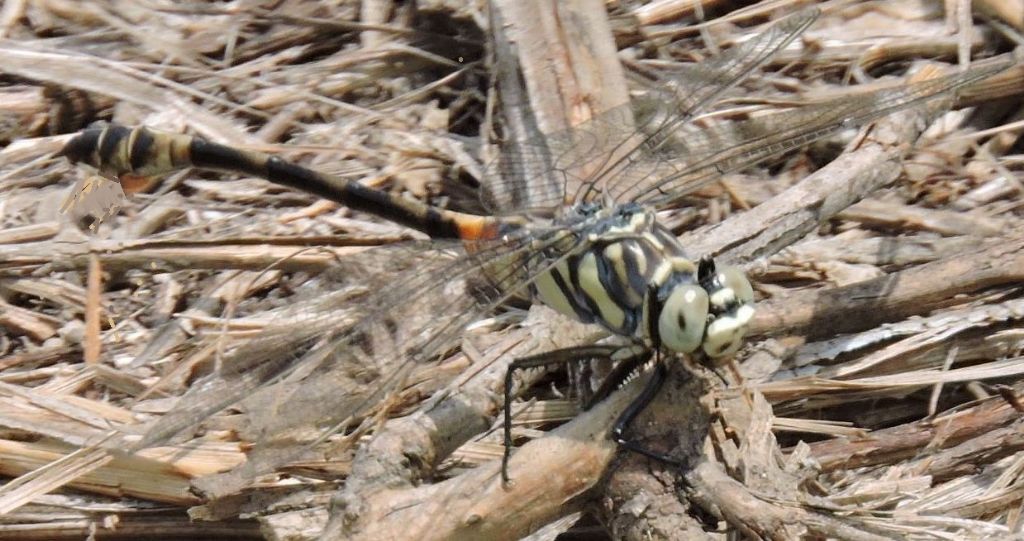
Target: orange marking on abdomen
(132, 184)
(478, 229)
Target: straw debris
(879, 396)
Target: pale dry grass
(878, 396)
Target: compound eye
(733, 278)
(725, 333)
(682, 319)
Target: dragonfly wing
(697, 155)
(333, 359)
(580, 163)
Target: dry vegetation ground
(879, 395)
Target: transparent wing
(579, 163)
(697, 155)
(334, 358)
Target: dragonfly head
(731, 307)
(711, 314)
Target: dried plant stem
(917, 290)
(991, 426)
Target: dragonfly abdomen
(119, 151)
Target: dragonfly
(586, 243)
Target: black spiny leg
(637, 406)
(640, 403)
(558, 356)
(623, 369)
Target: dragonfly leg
(620, 373)
(634, 409)
(633, 360)
(556, 357)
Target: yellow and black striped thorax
(631, 275)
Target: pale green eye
(682, 319)
(725, 333)
(734, 279)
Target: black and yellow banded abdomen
(121, 152)
(117, 150)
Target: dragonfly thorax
(631, 275)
